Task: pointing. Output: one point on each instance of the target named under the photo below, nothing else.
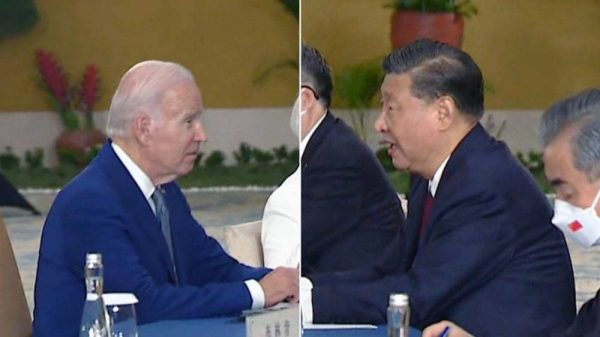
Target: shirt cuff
(306, 300)
(257, 294)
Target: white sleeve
(257, 293)
(280, 233)
(306, 300)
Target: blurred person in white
(280, 233)
(570, 133)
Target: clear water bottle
(94, 321)
(398, 316)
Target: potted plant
(441, 20)
(75, 105)
(357, 86)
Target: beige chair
(243, 243)
(15, 320)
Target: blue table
(211, 327)
(381, 331)
(234, 327)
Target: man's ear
(142, 127)
(446, 112)
(307, 99)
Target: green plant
(294, 156)
(9, 160)
(292, 7)
(215, 159)
(462, 7)
(199, 159)
(357, 86)
(534, 162)
(73, 157)
(281, 153)
(70, 157)
(385, 159)
(243, 155)
(262, 157)
(34, 158)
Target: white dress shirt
(147, 188)
(280, 233)
(435, 181)
(306, 285)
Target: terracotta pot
(408, 26)
(77, 146)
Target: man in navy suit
(570, 132)
(126, 206)
(350, 211)
(478, 247)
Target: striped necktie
(162, 213)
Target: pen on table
(446, 332)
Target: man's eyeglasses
(311, 89)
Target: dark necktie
(162, 213)
(426, 212)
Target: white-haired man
(127, 207)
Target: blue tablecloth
(234, 327)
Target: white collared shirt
(435, 181)
(141, 179)
(147, 187)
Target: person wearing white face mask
(570, 133)
(350, 211)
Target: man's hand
(280, 284)
(435, 330)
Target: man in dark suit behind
(350, 211)
(570, 133)
(126, 206)
(478, 247)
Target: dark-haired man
(478, 247)
(570, 133)
(350, 211)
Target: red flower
(90, 86)
(53, 76)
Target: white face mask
(295, 119)
(581, 225)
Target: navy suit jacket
(489, 258)
(103, 210)
(350, 211)
(587, 322)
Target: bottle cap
(398, 299)
(119, 299)
(95, 258)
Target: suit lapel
(476, 138)
(414, 215)
(133, 200)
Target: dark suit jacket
(489, 259)
(350, 211)
(587, 322)
(103, 210)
